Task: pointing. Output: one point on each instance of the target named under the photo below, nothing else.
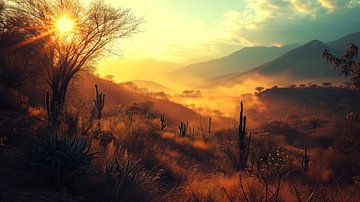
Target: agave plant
(60, 157)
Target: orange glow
(65, 25)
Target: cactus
(244, 148)
(183, 127)
(52, 110)
(305, 160)
(99, 102)
(163, 121)
(315, 124)
(209, 129)
(47, 105)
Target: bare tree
(347, 63)
(91, 31)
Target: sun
(65, 25)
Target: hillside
(119, 95)
(333, 99)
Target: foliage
(96, 27)
(259, 89)
(127, 181)
(272, 167)
(60, 157)
(347, 63)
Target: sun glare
(65, 25)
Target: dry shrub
(319, 169)
(348, 193)
(37, 112)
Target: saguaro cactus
(52, 110)
(163, 121)
(305, 160)
(209, 127)
(183, 127)
(47, 106)
(244, 148)
(99, 102)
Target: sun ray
(30, 40)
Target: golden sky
(186, 31)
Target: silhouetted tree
(19, 65)
(326, 84)
(96, 27)
(109, 77)
(347, 63)
(259, 89)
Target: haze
(185, 32)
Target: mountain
(341, 44)
(238, 61)
(299, 64)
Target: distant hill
(239, 61)
(335, 99)
(301, 63)
(152, 86)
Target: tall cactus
(52, 110)
(209, 126)
(47, 105)
(244, 148)
(163, 121)
(99, 102)
(183, 127)
(305, 160)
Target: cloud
(177, 35)
(353, 4)
(287, 21)
(327, 4)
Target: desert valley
(261, 123)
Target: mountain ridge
(241, 60)
(301, 63)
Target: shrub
(60, 157)
(128, 181)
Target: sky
(186, 31)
